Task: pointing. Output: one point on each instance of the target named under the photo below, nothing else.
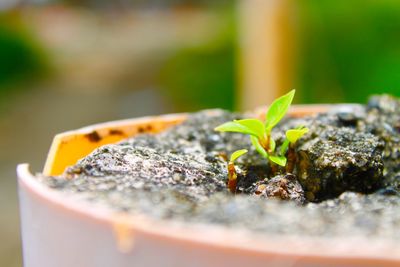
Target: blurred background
(67, 64)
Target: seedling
(289, 146)
(232, 174)
(260, 133)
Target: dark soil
(346, 181)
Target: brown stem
(291, 159)
(232, 178)
(274, 168)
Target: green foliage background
(204, 76)
(348, 49)
(22, 59)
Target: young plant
(232, 174)
(288, 146)
(260, 132)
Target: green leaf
(258, 147)
(295, 134)
(272, 145)
(284, 147)
(235, 155)
(278, 109)
(255, 125)
(232, 126)
(237, 127)
(280, 160)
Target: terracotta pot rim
(379, 250)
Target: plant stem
(274, 168)
(291, 159)
(232, 178)
(265, 144)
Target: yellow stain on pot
(67, 148)
(123, 233)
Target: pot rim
(348, 249)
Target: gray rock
(383, 121)
(340, 160)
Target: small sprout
(238, 153)
(295, 134)
(260, 132)
(292, 136)
(260, 136)
(232, 174)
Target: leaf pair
(260, 131)
(255, 127)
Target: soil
(346, 180)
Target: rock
(339, 160)
(188, 173)
(384, 103)
(285, 187)
(383, 120)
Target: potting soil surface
(346, 180)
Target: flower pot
(58, 230)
